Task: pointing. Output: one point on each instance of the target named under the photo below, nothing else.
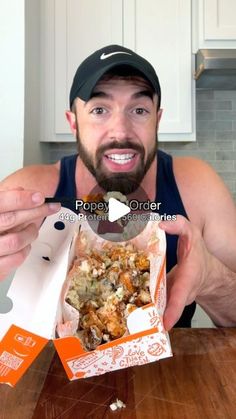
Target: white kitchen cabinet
(160, 30)
(70, 30)
(79, 30)
(214, 24)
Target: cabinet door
(214, 24)
(74, 29)
(161, 32)
(219, 19)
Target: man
(115, 113)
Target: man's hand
(188, 278)
(21, 214)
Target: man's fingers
(12, 200)
(180, 292)
(16, 241)
(21, 213)
(11, 219)
(185, 280)
(177, 300)
(180, 226)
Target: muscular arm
(43, 178)
(209, 206)
(206, 270)
(218, 296)
(198, 276)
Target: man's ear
(71, 118)
(159, 115)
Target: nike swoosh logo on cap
(105, 56)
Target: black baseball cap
(100, 62)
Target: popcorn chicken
(92, 337)
(142, 263)
(105, 287)
(126, 279)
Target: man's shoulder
(194, 169)
(203, 192)
(43, 178)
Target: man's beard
(124, 182)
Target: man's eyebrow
(147, 93)
(100, 94)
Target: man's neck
(85, 181)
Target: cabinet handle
(199, 71)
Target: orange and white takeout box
(37, 307)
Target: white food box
(36, 293)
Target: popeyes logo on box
(38, 283)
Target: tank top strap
(167, 192)
(67, 186)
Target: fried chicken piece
(91, 319)
(142, 263)
(92, 337)
(129, 308)
(126, 279)
(117, 253)
(98, 197)
(112, 318)
(143, 298)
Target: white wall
(34, 151)
(12, 22)
(11, 85)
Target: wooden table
(199, 382)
